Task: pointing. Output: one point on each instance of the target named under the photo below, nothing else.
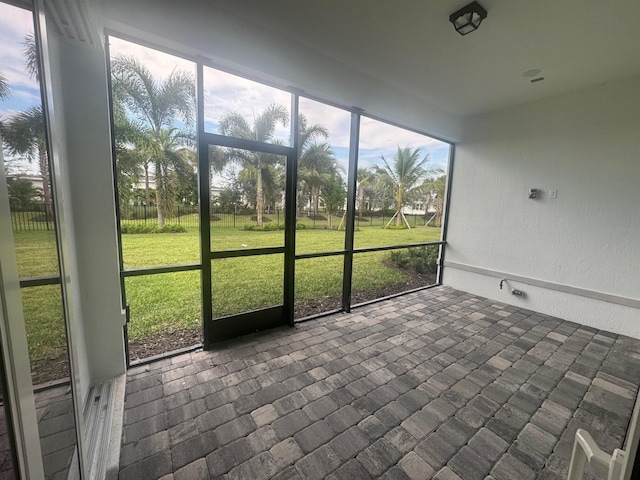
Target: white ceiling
(412, 45)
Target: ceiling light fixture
(468, 18)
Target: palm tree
(172, 162)
(366, 178)
(406, 173)
(23, 134)
(434, 189)
(313, 160)
(156, 107)
(257, 166)
(316, 167)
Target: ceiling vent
(72, 20)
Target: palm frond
(267, 121)
(31, 57)
(23, 133)
(5, 91)
(233, 124)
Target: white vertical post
(13, 336)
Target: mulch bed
(49, 369)
(163, 342)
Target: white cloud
(226, 92)
(160, 64)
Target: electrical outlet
(553, 194)
(517, 293)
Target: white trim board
(605, 297)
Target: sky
(223, 92)
(15, 25)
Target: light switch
(553, 193)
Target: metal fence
(36, 217)
(187, 216)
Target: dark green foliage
(229, 200)
(151, 228)
(22, 193)
(421, 259)
(270, 227)
(266, 227)
(402, 226)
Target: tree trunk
(158, 205)
(147, 196)
(439, 207)
(43, 161)
(259, 199)
(360, 201)
(315, 198)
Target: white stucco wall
(85, 192)
(586, 146)
(200, 28)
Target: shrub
(420, 259)
(271, 227)
(150, 228)
(268, 227)
(265, 219)
(402, 226)
(171, 229)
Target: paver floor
(435, 384)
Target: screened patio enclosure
(299, 252)
(571, 251)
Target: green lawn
(168, 302)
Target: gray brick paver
(136, 431)
(260, 467)
(343, 418)
(286, 453)
(379, 456)
(154, 466)
(194, 471)
(352, 470)
(193, 448)
(314, 436)
(235, 429)
(319, 464)
(290, 424)
(422, 386)
(145, 448)
(262, 439)
(470, 464)
(349, 443)
(320, 408)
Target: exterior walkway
(435, 384)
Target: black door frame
(222, 328)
